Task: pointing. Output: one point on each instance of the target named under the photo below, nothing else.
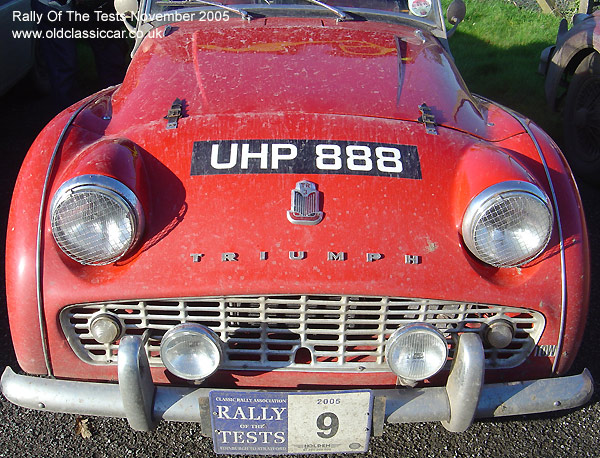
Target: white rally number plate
(329, 422)
(277, 423)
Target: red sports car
(292, 223)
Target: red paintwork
(293, 79)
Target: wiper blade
(342, 16)
(241, 12)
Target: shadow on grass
(507, 76)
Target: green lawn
(497, 49)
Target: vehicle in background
(572, 69)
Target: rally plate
(265, 423)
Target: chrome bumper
(464, 398)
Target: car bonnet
(280, 65)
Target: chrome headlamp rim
(112, 188)
(477, 207)
(191, 328)
(413, 328)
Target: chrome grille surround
(301, 332)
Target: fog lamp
(105, 328)
(191, 351)
(416, 351)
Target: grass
(497, 49)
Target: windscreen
(427, 11)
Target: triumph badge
(305, 204)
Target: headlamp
(96, 219)
(508, 223)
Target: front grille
(324, 333)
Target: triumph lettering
(411, 259)
(227, 257)
(297, 255)
(332, 256)
(372, 257)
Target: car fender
(23, 285)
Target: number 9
(328, 428)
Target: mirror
(126, 7)
(455, 14)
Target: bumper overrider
(464, 397)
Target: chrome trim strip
(563, 270)
(40, 230)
